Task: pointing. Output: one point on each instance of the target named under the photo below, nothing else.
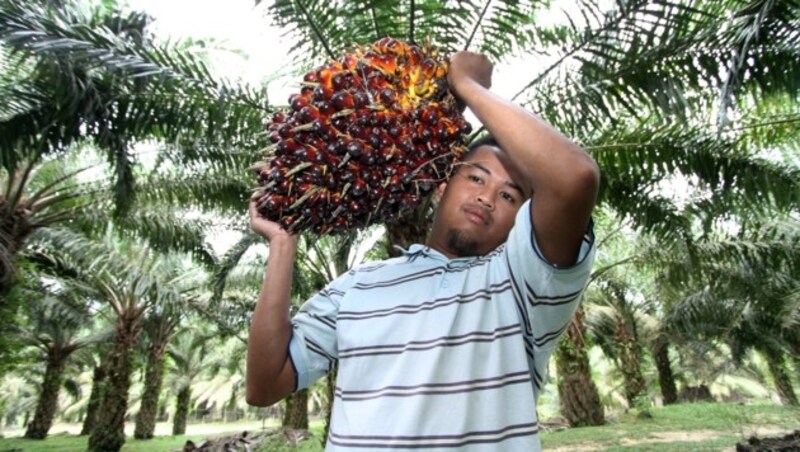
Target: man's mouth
(477, 215)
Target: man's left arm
(563, 177)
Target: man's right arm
(270, 372)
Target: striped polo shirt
(437, 353)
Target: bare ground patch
(671, 437)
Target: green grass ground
(700, 426)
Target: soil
(790, 442)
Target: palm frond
(229, 261)
(209, 189)
(111, 85)
(165, 230)
(762, 42)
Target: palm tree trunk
(330, 387)
(48, 398)
(666, 379)
(109, 432)
(181, 410)
(783, 384)
(295, 416)
(95, 400)
(580, 401)
(410, 228)
(630, 359)
(154, 373)
(796, 360)
(14, 230)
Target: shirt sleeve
(548, 295)
(313, 346)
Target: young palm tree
(99, 374)
(131, 282)
(743, 293)
(617, 324)
(160, 325)
(190, 358)
(58, 330)
(159, 328)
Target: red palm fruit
(285, 131)
(428, 67)
(322, 93)
(286, 146)
(369, 157)
(355, 148)
(350, 61)
(343, 100)
(278, 117)
(356, 208)
(359, 187)
(342, 81)
(361, 99)
(308, 114)
(297, 101)
(369, 127)
(287, 222)
(340, 223)
(324, 75)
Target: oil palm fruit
(367, 137)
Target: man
(445, 347)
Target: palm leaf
(230, 261)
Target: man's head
(477, 205)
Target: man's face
(477, 206)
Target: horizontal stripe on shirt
(437, 388)
(417, 442)
(482, 294)
(438, 270)
(447, 341)
(550, 336)
(537, 300)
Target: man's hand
(265, 228)
(469, 66)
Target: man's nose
(485, 198)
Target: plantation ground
(701, 426)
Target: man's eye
(474, 178)
(508, 197)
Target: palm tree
(130, 282)
(190, 358)
(56, 330)
(159, 328)
(99, 374)
(744, 293)
(100, 78)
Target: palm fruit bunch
(367, 137)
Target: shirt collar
(418, 249)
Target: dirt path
(670, 437)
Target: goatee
(461, 245)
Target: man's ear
(439, 192)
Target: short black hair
(483, 140)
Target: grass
(65, 442)
(694, 426)
(691, 426)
